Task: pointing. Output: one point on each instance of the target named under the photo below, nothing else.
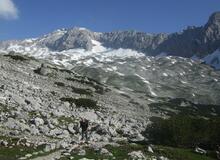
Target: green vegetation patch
(90, 154)
(180, 153)
(82, 91)
(185, 131)
(121, 152)
(60, 84)
(17, 151)
(91, 82)
(17, 57)
(4, 108)
(33, 114)
(66, 120)
(173, 107)
(81, 102)
(66, 70)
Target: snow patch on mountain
(37, 47)
(151, 91)
(142, 78)
(162, 54)
(97, 47)
(165, 74)
(213, 59)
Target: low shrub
(82, 91)
(185, 131)
(61, 84)
(81, 102)
(16, 57)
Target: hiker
(84, 123)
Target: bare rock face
(211, 33)
(74, 38)
(198, 41)
(139, 41)
(39, 99)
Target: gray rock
(62, 144)
(162, 158)
(136, 155)
(200, 150)
(50, 147)
(44, 129)
(70, 128)
(38, 121)
(104, 151)
(82, 152)
(149, 149)
(28, 155)
(4, 143)
(136, 137)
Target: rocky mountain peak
(214, 18)
(74, 38)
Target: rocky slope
(41, 103)
(44, 103)
(172, 77)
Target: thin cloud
(8, 10)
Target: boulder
(112, 132)
(149, 149)
(70, 128)
(136, 137)
(162, 158)
(102, 130)
(136, 155)
(38, 121)
(4, 143)
(56, 132)
(200, 150)
(104, 151)
(44, 70)
(49, 147)
(82, 152)
(44, 129)
(62, 144)
(28, 155)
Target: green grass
(17, 57)
(32, 114)
(180, 153)
(82, 91)
(121, 152)
(17, 151)
(185, 131)
(198, 110)
(66, 120)
(4, 108)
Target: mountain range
(193, 42)
(121, 81)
